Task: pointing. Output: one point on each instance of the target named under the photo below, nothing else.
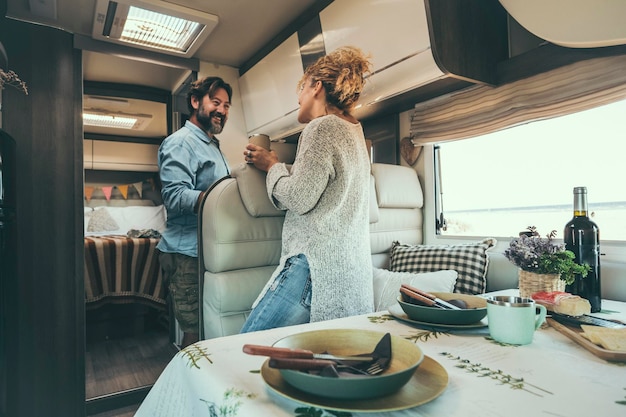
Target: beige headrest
(251, 183)
(397, 186)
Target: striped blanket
(119, 269)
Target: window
(500, 183)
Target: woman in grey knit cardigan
(325, 269)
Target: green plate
(396, 312)
(476, 311)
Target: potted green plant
(544, 265)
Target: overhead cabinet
(120, 156)
(396, 36)
(268, 89)
(419, 49)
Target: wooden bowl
(406, 356)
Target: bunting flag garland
(89, 192)
(139, 187)
(107, 192)
(123, 190)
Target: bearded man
(190, 161)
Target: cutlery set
(427, 299)
(372, 363)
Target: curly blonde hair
(342, 73)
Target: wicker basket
(530, 283)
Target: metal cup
(261, 140)
(513, 320)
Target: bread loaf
(562, 302)
(609, 339)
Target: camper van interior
(481, 117)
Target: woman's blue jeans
(287, 302)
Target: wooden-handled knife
(426, 298)
(281, 352)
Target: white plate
(396, 311)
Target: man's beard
(207, 122)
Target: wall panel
(47, 356)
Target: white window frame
(612, 251)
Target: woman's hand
(260, 157)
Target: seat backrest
(239, 238)
(396, 210)
(239, 247)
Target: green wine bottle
(582, 237)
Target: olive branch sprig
(319, 412)
(380, 319)
(485, 372)
(425, 335)
(230, 405)
(194, 353)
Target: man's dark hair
(207, 85)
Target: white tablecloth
(560, 378)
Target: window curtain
(480, 110)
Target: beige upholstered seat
(240, 238)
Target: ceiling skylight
(152, 25)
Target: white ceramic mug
(261, 140)
(513, 320)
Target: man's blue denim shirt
(189, 163)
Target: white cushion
(100, 220)
(387, 284)
(119, 220)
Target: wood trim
(127, 91)
(132, 139)
(468, 37)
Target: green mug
(513, 320)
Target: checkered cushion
(470, 261)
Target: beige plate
(396, 311)
(428, 382)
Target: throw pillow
(101, 221)
(387, 284)
(469, 260)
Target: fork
(377, 366)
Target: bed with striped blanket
(121, 259)
(120, 269)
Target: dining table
(464, 373)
